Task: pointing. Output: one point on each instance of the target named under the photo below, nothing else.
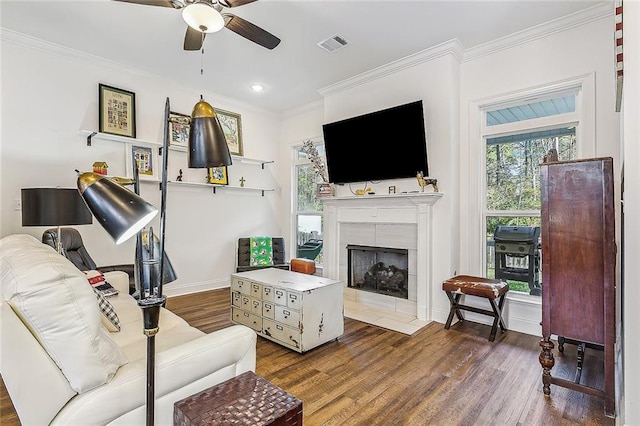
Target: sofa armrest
(119, 280)
(123, 399)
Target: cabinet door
(247, 318)
(578, 248)
(280, 296)
(287, 316)
(267, 293)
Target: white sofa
(61, 365)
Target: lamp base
(151, 317)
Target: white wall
(50, 93)
(630, 409)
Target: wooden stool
(304, 266)
(481, 287)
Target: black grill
(517, 255)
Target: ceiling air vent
(333, 43)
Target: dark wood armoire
(578, 268)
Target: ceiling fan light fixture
(203, 17)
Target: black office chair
(74, 250)
(244, 255)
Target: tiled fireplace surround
(397, 220)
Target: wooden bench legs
(496, 312)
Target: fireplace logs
(378, 269)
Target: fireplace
(395, 220)
(380, 270)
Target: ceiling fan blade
(162, 3)
(250, 31)
(193, 39)
(234, 3)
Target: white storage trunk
(295, 310)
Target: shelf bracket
(265, 162)
(214, 189)
(90, 136)
(263, 192)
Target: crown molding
(34, 43)
(452, 47)
(455, 48)
(546, 29)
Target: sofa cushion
(52, 298)
(109, 316)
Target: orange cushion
(304, 266)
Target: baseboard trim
(182, 289)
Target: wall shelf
(92, 134)
(238, 158)
(225, 187)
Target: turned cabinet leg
(547, 362)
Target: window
(308, 207)
(517, 137)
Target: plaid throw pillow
(109, 317)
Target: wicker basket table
(247, 399)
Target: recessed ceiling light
(257, 87)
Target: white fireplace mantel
(410, 208)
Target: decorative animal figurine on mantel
(422, 182)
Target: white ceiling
(150, 38)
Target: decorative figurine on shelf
(179, 178)
(100, 168)
(422, 182)
(242, 180)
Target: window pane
(515, 263)
(513, 171)
(310, 237)
(555, 106)
(301, 155)
(307, 188)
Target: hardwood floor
(373, 376)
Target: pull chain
(202, 57)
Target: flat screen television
(386, 144)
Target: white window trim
(585, 134)
(295, 162)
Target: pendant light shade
(207, 143)
(203, 17)
(121, 212)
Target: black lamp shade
(53, 207)
(121, 212)
(207, 143)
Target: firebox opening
(378, 269)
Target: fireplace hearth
(380, 270)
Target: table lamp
(53, 207)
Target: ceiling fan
(204, 16)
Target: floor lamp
(123, 214)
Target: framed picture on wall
(218, 175)
(116, 111)
(145, 159)
(179, 129)
(232, 127)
